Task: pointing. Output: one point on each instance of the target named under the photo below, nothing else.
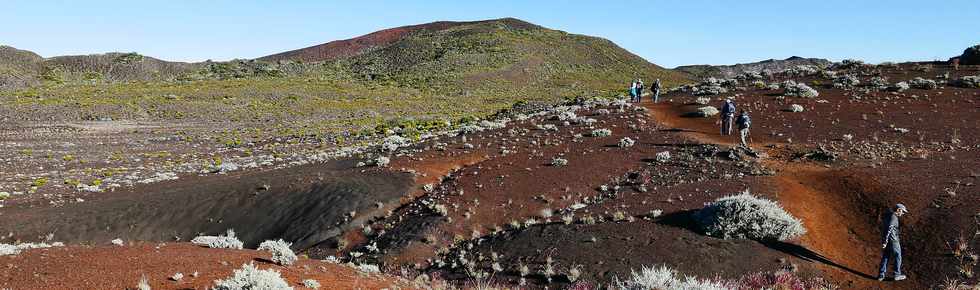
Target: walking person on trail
(656, 91)
(639, 90)
(956, 63)
(890, 245)
(744, 122)
(633, 91)
(727, 116)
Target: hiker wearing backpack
(656, 91)
(633, 91)
(744, 122)
(727, 116)
(639, 90)
(891, 248)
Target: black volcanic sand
(304, 205)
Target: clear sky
(668, 33)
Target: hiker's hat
(901, 207)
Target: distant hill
(355, 46)
(728, 71)
(504, 52)
(22, 68)
(435, 71)
(509, 49)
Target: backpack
(744, 121)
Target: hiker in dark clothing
(890, 245)
(744, 122)
(639, 90)
(727, 116)
(656, 91)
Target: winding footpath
(842, 247)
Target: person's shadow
(685, 219)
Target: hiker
(956, 63)
(656, 91)
(633, 91)
(744, 122)
(639, 90)
(727, 115)
(891, 248)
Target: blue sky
(668, 33)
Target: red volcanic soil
(841, 201)
(495, 197)
(355, 46)
(121, 267)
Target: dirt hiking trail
(841, 239)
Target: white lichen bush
(228, 241)
(8, 249)
(626, 142)
(393, 142)
(558, 162)
(846, 82)
(802, 90)
(968, 82)
(923, 84)
(745, 216)
(250, 277)
(663, 157)
(381, 161)
(312, 284)
(702, 100)
(281, 253)
(878, 83)
(802, 70)
(707, 111)
(795, 108)
(900, 87)
(664, 277)
(601, 132)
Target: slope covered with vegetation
(467, 69)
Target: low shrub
(923, 84)
(626, 142)
(250, 277)
(968, 82)
(312, 284)
(745, 216)
(664, 277)
(899, 87)
(281, 253)
(559, 162)
(795, 108)
(600, 133)
(795, 89)
(228, 241)
(846, 82)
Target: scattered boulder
(795, 108)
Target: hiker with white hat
(890, 245)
